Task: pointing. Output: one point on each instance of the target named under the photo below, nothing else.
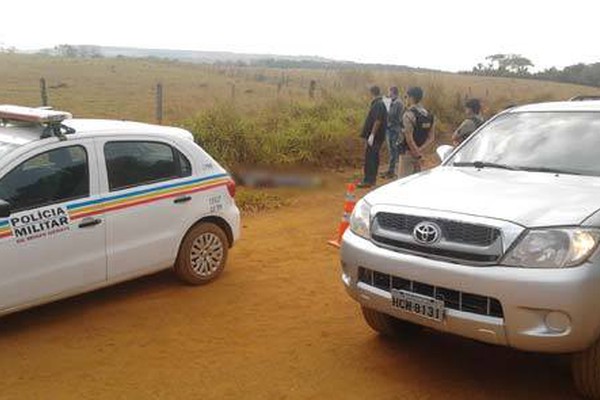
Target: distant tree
(504, 65)
(496, 62)
(518, 64)
(66, 50)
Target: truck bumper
(543, 310)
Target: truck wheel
(586, 371)
(386, 324)
(202, 255)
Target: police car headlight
(360, 220)
(553, 248)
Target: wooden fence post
(159, 103)
(312, 88)
(43, 92)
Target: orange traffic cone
(349, 204)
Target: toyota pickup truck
(497, 244)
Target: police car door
(144, 214)
(53, 243)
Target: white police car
(88, 203)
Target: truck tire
(586, 371)
(202, 254)
(387, 325)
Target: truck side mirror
(4, 209)
(444, 152)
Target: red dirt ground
(276, 325)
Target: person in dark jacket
(373, 133)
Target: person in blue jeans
(393, 132)
(373, 133)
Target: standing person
(374, 134)
(393, 132)
(419, 131)
(473, 121)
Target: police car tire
(183, 266)
(387, 325)
(586, 371)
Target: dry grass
(254, 115)
(124, 88)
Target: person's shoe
(364, 185)
(383, 175)
(390, 175)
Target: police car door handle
(183, 199)
(89, 222)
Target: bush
(318, 134)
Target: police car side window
(135, 163)
(52, 177)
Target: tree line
(518, 66)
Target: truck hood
(530, 199)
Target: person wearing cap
(393, 132)
(373, 133)
(419, 132)
(473, 121)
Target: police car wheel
(387, 325)
(202, 255)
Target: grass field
(253, 116)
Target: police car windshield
(551, 142)
(5, 148)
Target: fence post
(312, 88)
(159, 103)
(232, 92)
(43, 92)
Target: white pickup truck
(498, 244)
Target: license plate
(423, 306)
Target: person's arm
(376, 126)
(459, 133)
(430, 138)
(379, 120)
(408, 135)
(463, 131)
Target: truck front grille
(453, 231)
(460, 241)
(453, 299)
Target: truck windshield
(553, 142)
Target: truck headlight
(360, 220)
(553, 248)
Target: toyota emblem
(427, 233)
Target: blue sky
(450, 35)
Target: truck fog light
(347, 279)
(557, 321)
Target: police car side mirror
(444, 152)
(4, 209)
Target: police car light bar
(43, 116)
(33, 115)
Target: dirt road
(277, 325)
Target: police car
(88, 203)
